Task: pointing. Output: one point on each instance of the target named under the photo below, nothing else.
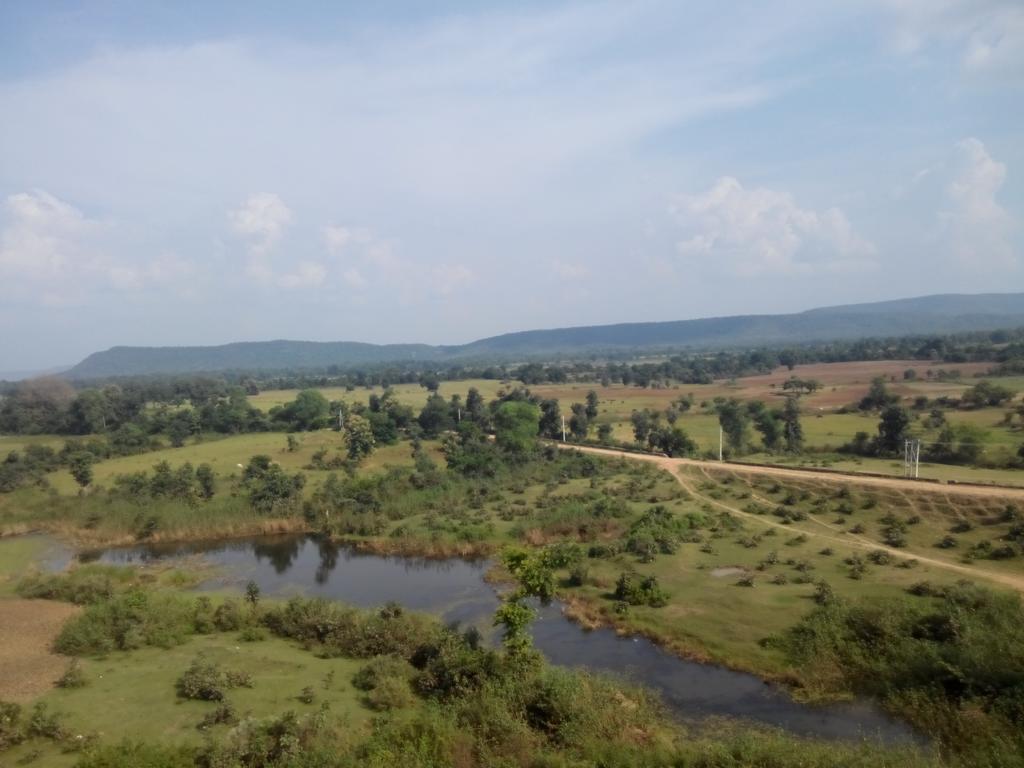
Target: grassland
(759, 547)
(131, 694)
(825, 429)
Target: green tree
(878, 396)
(892, 429)
(604, 433)
(768, 422)
(672, 440)
(515, 617)
(358, 437)
(592, 403)
(792, 431)
(476, 409)
(515, 427)
(252, 594)
(643, 422)
(733, 419)
(309, 410)
(579, 424)
(181, 425)
(550, 419)
(80, 465)
(206, 480)
(270, 487)
(91, 413)
(436, 416)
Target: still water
(455, 590)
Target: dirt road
(833, 535)
(898, 483)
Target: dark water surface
(454, 589)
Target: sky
(188, 172)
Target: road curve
(673, 465)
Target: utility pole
(912, 459)
(563, 430)
(459, 411)
(719, 443)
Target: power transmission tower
(912, 458)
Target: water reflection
(455, 590)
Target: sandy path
(844, 539)
(28, 667)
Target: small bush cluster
(635, 590)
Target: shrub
(73, 676)
(229, 616)
(223, 714)
(378, 669)
(10, 725)
(127, 621)
(85, 585)
(44, 724)
(879, 557)
(631, 589)
(203, 680)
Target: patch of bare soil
(727, 570)
(28, 668)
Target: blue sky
(197, 173)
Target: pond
(455, 590)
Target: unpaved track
(28, 628)
(673, 467)
(893, 483)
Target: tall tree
(436, 416)
(579, 424)
(515, 427)
(792, 430)
(592, 403)
(550, 419)
(359, 437)
(892, 429)
(733, 419)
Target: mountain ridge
(933, 314)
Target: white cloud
(307, 274)
(449, 278)
(165, 270)
(261, 220)
(750, 232)
(987, 35)
(977, 227)
(337, 238)
(354, 278)
(44, 237)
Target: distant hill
(950, 313)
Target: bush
(955, 664)
(130, 620)
(10, 725)
(632, 589)
(203, 680)
(73, 676)
(378, 669)
(229, 616)
(223, 714)
(85, 585)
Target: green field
(825, 430)
(131, 694)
